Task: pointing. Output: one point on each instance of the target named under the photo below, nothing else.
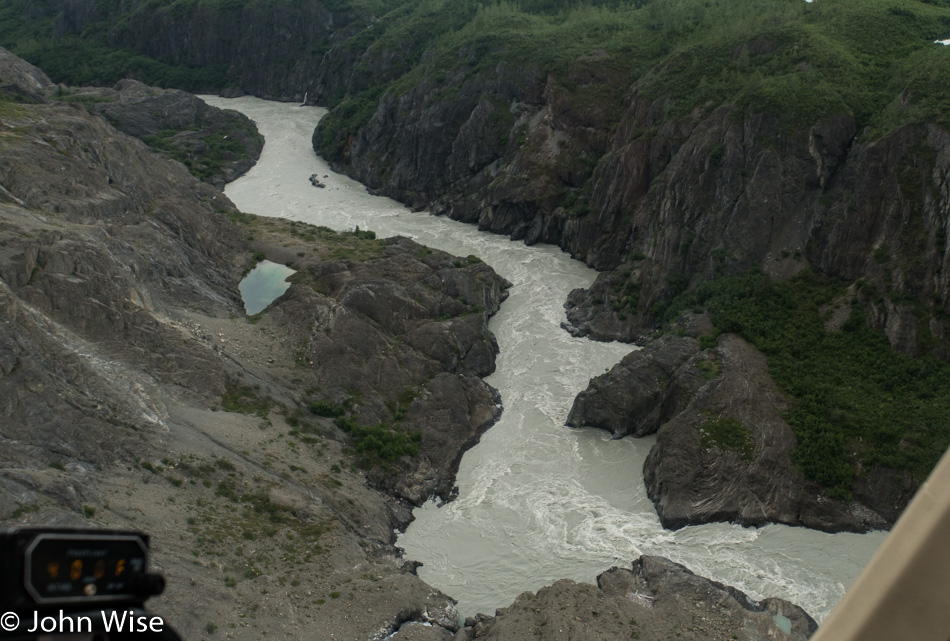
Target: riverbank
(138, 394)
(552, 502)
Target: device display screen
(66, 568)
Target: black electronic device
(91, 584)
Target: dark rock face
(416, 148)
(668, 199)
(644, 391)
(590, 311)
(271, 48)
(654, 599)
(888, 227)
(143, 111)
(406, 333)
(695, 473)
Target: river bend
(538, 501)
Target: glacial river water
(537, 501)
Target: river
(537, 501)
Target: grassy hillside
(875, 59)
(857, 403)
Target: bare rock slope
(653, 599)
(135, 393)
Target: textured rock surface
(271, 47)
(122, 339)
(22, 79)
(406, 334)
(693, 474)
(655, 599)
(666, 199)
(199, 129)
(642, 392)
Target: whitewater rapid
(537, 501)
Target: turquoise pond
(263, 285)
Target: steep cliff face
(665, 203)
(887, 228)
(723, 450)
(269, 49)
(419, 146)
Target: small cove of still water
(537, 501)
(263, 285)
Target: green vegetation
(625, 296)
(856, 402)
(874, 59)
(245, 400)
(217, 146)
(801, 61)
(727, 434)
(68, 95)
(378, 442)
(328, 410)
(80, 62)
(708, 368)
(236, 509)
(324, 243)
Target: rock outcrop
(22, 80)
(723, 451)
(644, 391)
(217, 145)
(405, 331)
(653, 599)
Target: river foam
(537, 501)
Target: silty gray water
(537, 501)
